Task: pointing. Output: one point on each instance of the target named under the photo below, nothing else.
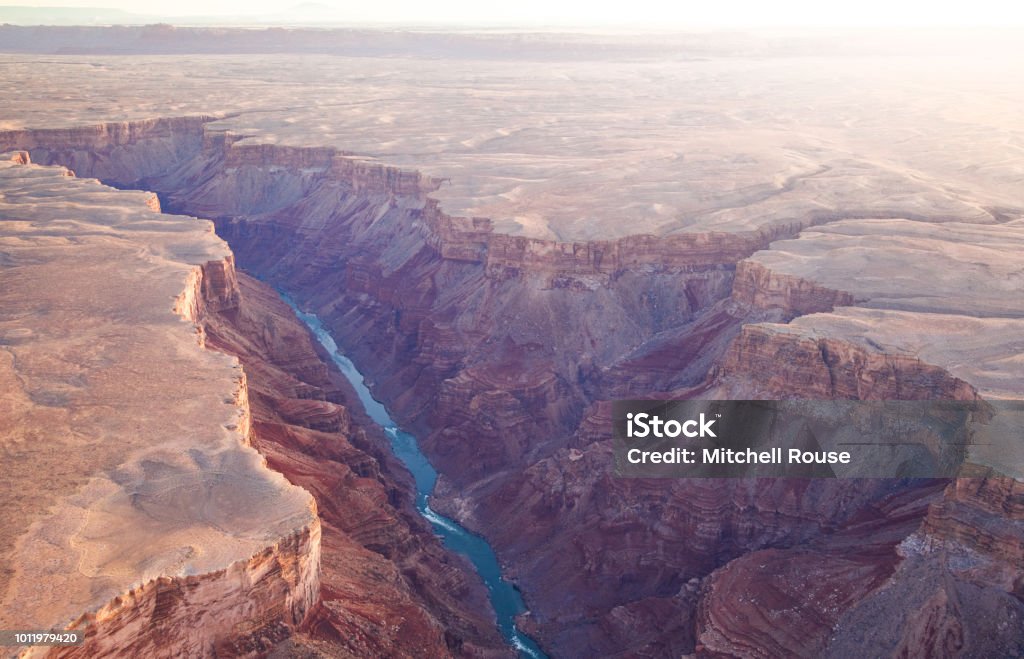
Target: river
(505, 598)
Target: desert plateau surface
(291, 316)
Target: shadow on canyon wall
(501, 353)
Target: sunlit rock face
(136, 508)
(129, 336)
(502, 258)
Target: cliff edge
(135, 508)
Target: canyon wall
(244, 610)
(364, 575)
(932, 569)
(500, 352)
(387, 588)
(137, 510)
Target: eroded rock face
(136, 509)
(364, 578)
(597, 548)
(820, 367)
(788, 601)
(501, 352)
(947, 583)
(243, 610)
(386, 586)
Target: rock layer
(500, 351)
(387, 588)
(365, 577)
(136, 509)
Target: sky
(654, 13)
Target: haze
(504, 230)
(642, 13)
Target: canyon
(338, 555)
(499, 340)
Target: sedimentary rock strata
(364, 577)
(386, 586)
(135, 507)
(474, 358)
(498, 301)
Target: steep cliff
(387, 588)
(365, 577)
(137, 511)
(501, 352)
(465, 332)
(924, 571)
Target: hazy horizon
(642, 14)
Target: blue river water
(505, 599)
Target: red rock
(387, 587)
(498, 351)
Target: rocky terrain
(190, 540)
(135, 506)
(386, 586)
(498, 313)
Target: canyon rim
(239, 267)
